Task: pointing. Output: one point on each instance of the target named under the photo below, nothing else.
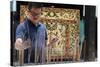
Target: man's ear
(27, 13)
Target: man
(32, 28)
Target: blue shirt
(37, 33)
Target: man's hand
(18, 44)
(54, 40)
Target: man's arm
(54, 40)
(19, 37)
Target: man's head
(34, 12)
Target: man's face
(34, 15)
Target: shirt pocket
(42, 34)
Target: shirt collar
(30, 23)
